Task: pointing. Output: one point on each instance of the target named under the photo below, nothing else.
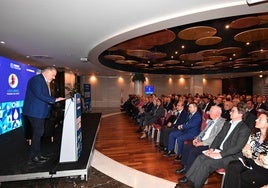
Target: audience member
(227, 146)
(158, 112)
(250, 116)
(260, 106)
(168, 105)
(178, 118)
(186, 131)
(203, 140)
(254, 172)
(250, 107)
(227, 107)
(206, 104)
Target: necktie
(48, 85)
(202, 134)
(155, 110)
(178, 115)
(189, 117)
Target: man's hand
(196, 143)
(60, 99)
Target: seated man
(253, 172)
(186, 131)
(227, 146)
(203, 140)
(172, 124)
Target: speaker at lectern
(71, 141)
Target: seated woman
(251, 170)
(157, 112)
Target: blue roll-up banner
(87, 97)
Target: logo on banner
(13, 80)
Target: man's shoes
(183, 180)
(180, 170)
(164, 149)
(37, 160)
(42, 157)
(169, 153)
(178, 158)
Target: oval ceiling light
(207, 41)
(252, 35)
(245, 22)
(114, 57)
(194, 33)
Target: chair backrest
(168, 116)
(205, 117)
(160, 121)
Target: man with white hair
(203, 140)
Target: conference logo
(13, 80)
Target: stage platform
(14, 155)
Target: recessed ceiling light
(2, 42)
(41, 57)
(83, 59)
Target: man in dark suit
(207, 104)
(172, 124)
(260, 106)
(185, 131)
(226, 146)
(36, 108)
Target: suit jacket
(169, 106)
(215, 130)
(232, 147)
(206, 107)
(192, 126)
(157, 113)
(182, 119)
(37, 100)
(250, 119)
(260, 106)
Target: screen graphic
(149, 89)
(14, 78)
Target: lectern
(71, 141)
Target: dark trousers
(164, 136)
(202, 167)
(190, 153)
(180, 136)
(239, 176)
(37, 125)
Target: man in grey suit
(227, 146)
(203, 141)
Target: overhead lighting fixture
(83, 59)
(2, 42)
(45, 57)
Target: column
(138, 87)
(196, 85)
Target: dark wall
(237, 86)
